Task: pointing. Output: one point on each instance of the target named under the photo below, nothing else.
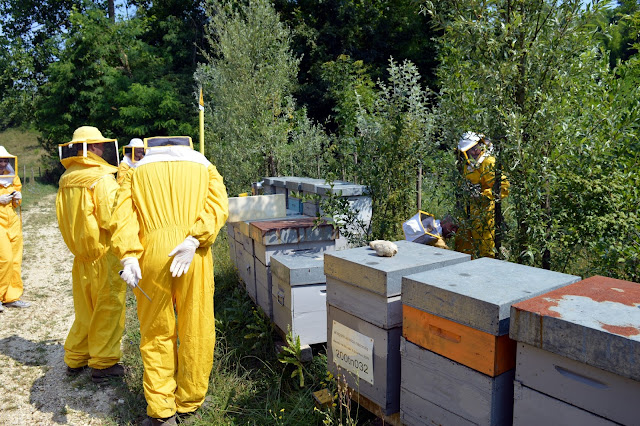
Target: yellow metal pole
(201, 107)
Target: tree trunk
(111, 11)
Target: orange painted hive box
(462, 312)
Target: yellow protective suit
(84, 203)
(159, 204)
(478, 237)
(122, 170)
(10, 246)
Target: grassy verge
(248, 384)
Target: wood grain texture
(484, 352)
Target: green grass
(248, 385)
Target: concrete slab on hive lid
(363, 268)
(479, 293)
(595, 321)
(256, 207)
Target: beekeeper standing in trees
(84, 203)
(478, 236)
(169, 210)
(11, 233)
(133, 152)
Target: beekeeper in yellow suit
(85, 200)
(478, 239)
(10, 233)
(133, 152)
(169, 210)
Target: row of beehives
(279, 260)
(431, 337)
(303, 197)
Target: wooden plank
(474, 396)
(246, 270)
(533, 408)
(256, 207)
(263, 288)
(598, 391)
(385, 392)
(484, 352)
(372, 407)
(417, 411)
(380, 310)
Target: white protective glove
(6, 198)
(183, 256)
(17, 196)
(131, 273)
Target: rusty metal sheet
(595, 321)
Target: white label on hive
(352, 351)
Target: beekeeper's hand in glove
(6, 198)
(131, 273)
(183, 256)
(17, 196)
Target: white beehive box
(299, 295)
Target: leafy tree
(254, 128)
(107, 77)
(370, 31)
(532, 72)
(392, 139)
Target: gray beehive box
(284, 236)
(299, 295)
(580, 344)
(479, 294)
(368, 286)
(446, 391)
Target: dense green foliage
(255, 129)
(533, 73)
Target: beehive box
(581, 344)
(532, 408)
(284, 236)
(299, 295)
(446, 390)
(363, 295)
(368, 286)
(462, 311)
(366, 357)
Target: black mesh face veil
(8, 166)
(109, 151)
(134, 153)
(106, 149)
(160, 141)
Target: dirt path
(34, 388)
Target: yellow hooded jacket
(172, 193)
(84, 203)
(11, 286)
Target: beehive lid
(299, 268)
(479, 293)
(363, 268)
(595, 321)
(345, 189)
(292, 230)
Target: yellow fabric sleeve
(215, 212)
(125, 229)
(17, 185)
(104, 197)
